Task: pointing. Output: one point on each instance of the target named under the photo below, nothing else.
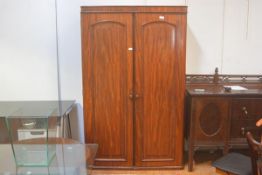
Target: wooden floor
(202, 166)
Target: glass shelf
(37, 108)
(73, 159)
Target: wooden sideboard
(217, 117)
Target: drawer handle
(244, 109)
(243, 131)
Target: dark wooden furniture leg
(190, 160)
(190, 156)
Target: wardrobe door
(159, 87)
(107, 84)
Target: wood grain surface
(107, 82)
(160, 86)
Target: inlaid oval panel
(210, 119)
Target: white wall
(204, 35)
(224, 34)
(221, 33)
(242, 37)
(28, 65)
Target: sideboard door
(107, 85)
(209, 117)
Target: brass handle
(244, 109)
(131, 96)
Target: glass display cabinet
(31, 128)
(38, 127)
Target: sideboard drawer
(246, 109)
(240, 127)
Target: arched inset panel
(210, 119)
(159, 89)
(159, 81)
(109, 79)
